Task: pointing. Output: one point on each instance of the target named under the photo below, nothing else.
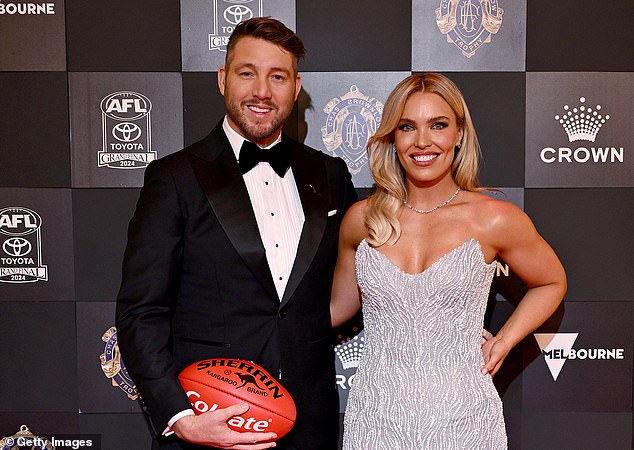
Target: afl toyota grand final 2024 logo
(228, 14)
(21, 246)
(126, 130)
(351, 120)
(469, 24)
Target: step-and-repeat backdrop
(92, 91)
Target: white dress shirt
(278, 211)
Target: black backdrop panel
(38, 265)
(37, 102)
(43, 424)
(497, 103)
(118, 431)
(355, 35)
(591, 230)
(100, 222)
(589, 367)
(118, 35)
(576, 431)
(39, 363)
(582, 35)
(203, 105)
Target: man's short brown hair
(270, 30)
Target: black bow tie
(278, 156)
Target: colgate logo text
(250, 423)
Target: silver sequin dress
(418, 385)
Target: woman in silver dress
(418, 256)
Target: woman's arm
(345, 300)
(530, 257)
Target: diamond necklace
(427, 211)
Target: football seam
(244, 401)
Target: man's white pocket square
(332, 213)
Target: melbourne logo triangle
(555, 347)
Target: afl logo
(351, 120)
(126, 105)
(19, 221)
(113, 367)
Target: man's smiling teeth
(257, 109)
(424, 158)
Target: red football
(217, 383)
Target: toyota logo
(237, 13)
(16, 246)
(126, 131)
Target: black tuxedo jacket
(196, 284)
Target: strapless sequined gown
(418, 385)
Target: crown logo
(349, 353)
(582, 123)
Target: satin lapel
(227, 194)
(312, 186)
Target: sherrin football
(218, 383)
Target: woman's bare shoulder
(353, 228)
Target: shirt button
(266, 183)
(272, 214)
(277, 245)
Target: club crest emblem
(469, 24)
(113, 367)
(350, 121)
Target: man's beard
(256, 131)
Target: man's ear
(298, 86)
(221, 80)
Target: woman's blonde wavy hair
(381, 218)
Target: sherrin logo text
(246, 374)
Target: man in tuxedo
(231, 253)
